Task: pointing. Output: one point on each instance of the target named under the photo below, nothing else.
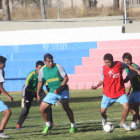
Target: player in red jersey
(113, 88)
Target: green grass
(85, 105)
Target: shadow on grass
(128, 138)
(72, 100)
(23, 127)
(18, 104)
(85, 99)
(86, 127)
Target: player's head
(39, 65)
(48, 59)
(127, 58)
(2, 62)
(108, 59)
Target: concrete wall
(68, 45)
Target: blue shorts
(107, 102)
(52, 98)
(134, 97)
(3, 107)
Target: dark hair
(2, 59)
(48, 56)
(108, 56)
(39, 63)
(127, 56)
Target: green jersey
(53, 76)
(135, 80)
(31, 82)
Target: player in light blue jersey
(3, 108)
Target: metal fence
(134, 3)
(131, 11)
(57, 9)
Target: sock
(1, 131)
(73, 125)
(48, 123)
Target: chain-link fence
(133, 10)
(58, 9)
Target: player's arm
(100, 82)
(134, 69)
(65, 79)
(27, 83)
(5, 92)
(131, 74)
(40, 84)
(2, 90)
(98, 85)
(39, 87)
(23, 91)
(128, 90)
(62, 86)
(47, 87)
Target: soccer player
(113, 88)
(29, 92)
(57, 80)
(134, 98)
(3, 108)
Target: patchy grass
(85, 105)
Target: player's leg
(134, 99)
(7, 113)
(104, 116)
(124, 101)
(139, 121)
(50, 99)
(69, 112)
(49, 109)
(125, 112)
(44, 113)
(65, 103)
(43, 108)
(105, 103)
(134, 109)
(25, 111)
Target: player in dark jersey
(29, 92)
(134, 98)
(113, 88)
(3, 108)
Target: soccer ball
(108, 127)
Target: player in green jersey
(134, 98)
(29, 92)
(57, 80)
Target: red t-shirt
(113, 86)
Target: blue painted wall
(21, 59)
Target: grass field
(85, 105)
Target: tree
(42, 5)
(6, 10)
(116, 4)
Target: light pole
(58, 9)
(125, 12)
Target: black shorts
(29, 95)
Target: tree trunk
(6, 10)
(72, 4)
(116, 4)
(42, 5)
